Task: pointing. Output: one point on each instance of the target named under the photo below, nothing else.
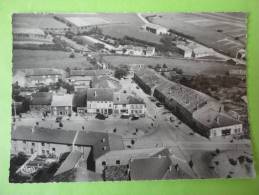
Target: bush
(232, 161)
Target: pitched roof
(82, 72)
(40, 134)
(123, 98)
(41, 98)
(79, 99)
(62, 100)
(70, 162)
(96, 94)
(43, 71)
(149, 168)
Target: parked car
(58, 119)
(100, 116)
(125, 115)
(135, 117)
(158, 104)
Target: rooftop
(69, 163)
(123, 98)
(41, 98)
(97, 94)
(83, 72)
(213, 119)
(62, 100)
(43, 71)
(86, 21)
(156, 26)
(149, 168)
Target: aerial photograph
(129, 96)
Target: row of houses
(201, 112)
(102, 153)
(91, 101)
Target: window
(43, 151)
(43, 144)
(33, 144)
(226, 132)
(53, 149)
(103, 140)
(118, 162)
(24, 142)
(103, 163)
(104, 148)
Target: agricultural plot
(191, 67)
(48, 59)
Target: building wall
(144, 86)
(104, 107)
(45, 79)
(233, 130)
(61, 110)
(29, 148)
(40, 108)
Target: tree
(165, 66)
(121, 72)
(69, 34)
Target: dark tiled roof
(149, 168)
(122, 98)
(79, 99)
(69, 163)
(44, 71)
(83, 72)
(43, 135)
(41, 98)
(96, 94)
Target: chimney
(217, 119)
(33, 129)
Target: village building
(198, 110)
(53, 142)
(43, 76)
(123, 157)
(31, 36)
(62, 104)
(100, 100)
(41, 101)
(155, 28)
(128, 104)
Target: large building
(62, 104)
(30, 36)
(41, 101)
(125, 103)
(201, 112)
(100, 101)
(43, 76)
(155, 28)
(54, 142)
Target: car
(125, 115)
(100, 116)
(158, 104)
(135, 117)
(58, 119)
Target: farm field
(48, 59)
(36, 21)
(190, 67)
(226, 34)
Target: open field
(188, 66)
(36, 21)
(48, 59)
(216, 30)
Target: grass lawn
(188, 66)
(47, 59)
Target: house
(201, 112)
(99, 100)
(155, 28)
(80, 102)
(150, 51)
(125, 103)
(41, 101)
(31, 36)
(62, 104)
(123, 157)
(43, 76)
(134, 50)
(53, 142)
